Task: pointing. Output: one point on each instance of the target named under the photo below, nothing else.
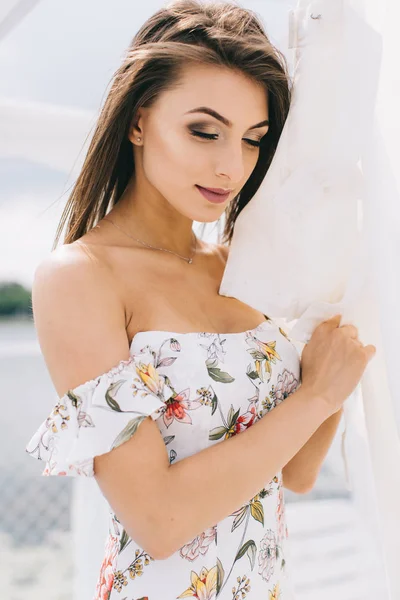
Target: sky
(59, 61)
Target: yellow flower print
(148, 374)
(264, 353)
(268, 349)
(275, 593)
(283, 332)
(61, 416)
(204, 586)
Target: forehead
(228, 91)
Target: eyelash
(210, 136)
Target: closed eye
(214, 136)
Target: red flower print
(245, 420)
(177, 405)
(107, 570)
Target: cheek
(250, 163)
(173, 161)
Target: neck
(153, 222)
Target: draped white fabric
(322, 234)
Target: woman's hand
(333, 362)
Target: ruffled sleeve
(99, 415)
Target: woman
(131, 324)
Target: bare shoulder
(67, 268)
(65, 258)
(76, 308)
(69, 275)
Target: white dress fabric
(327, 215)
(200, 389)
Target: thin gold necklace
(188, 260)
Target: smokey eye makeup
(214, 136)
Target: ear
(136, 128)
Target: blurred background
(56, 60)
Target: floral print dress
(200, 389)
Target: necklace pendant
(190, 261)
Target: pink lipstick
(212, 195)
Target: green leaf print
(124, 540)
(220, 376)
(256, 354)
(217, 433)
(113, 388)
(128, 431)
(214, 404)
(253, 374)
(232, 416)
(250, 549)
(228, 429)
(220, 575)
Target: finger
(336, 318)
(351, 330)
(370, 351)
(357, 341)
(333, 321)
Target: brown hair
(182, 32)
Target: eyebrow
(224, 120)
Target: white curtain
(322, 234)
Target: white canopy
(322, 234)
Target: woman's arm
(206, 487)
(165, 506)
(301, 472)
(81, 329)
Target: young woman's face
(182, 147)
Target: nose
(231, 165)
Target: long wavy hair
(182, 32)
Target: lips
(213, 196)
(215, 190)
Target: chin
(208, 219)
